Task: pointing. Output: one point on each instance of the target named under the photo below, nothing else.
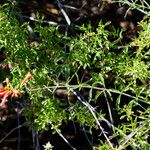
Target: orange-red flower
(7, 91)
(4, 93)
(2, 89)
(27, 77)
(4, 99)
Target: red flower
(4, 99)
(4, 93)
(2, 89)
(27, 77)
(7, 91)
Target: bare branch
(9, 133)
(63, 12)
(96, 119)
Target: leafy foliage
(118, 80)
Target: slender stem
(59, 133)
(88, 87)
(63, 12)
(96, 119)
(9, 133)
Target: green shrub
(119, 79)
